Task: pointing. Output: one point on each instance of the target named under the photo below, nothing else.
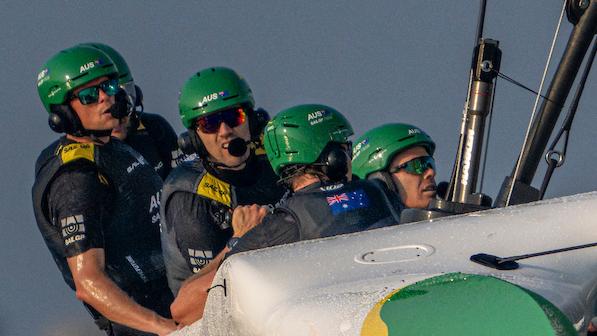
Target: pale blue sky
(376, 61)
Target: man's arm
(79, 205)
(190, 301)
(95, 288)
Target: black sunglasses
(90, 95)
(417, 166)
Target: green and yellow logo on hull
(465, 304)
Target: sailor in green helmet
(308, 146)
(96, 199)
(401, 156)
(216, 106)
(149, 134)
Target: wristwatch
(232, 242)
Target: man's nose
(224, 129)
(429, 173)
(103, 96)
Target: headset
(138, 97)
(134, 120)
(333, 161)
(386, 178)
(190, 143)
(63, 119)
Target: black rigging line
(517, 83)
(552, 162)
(481, 21)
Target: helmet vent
(80, 76)
(230, 97)
(406, 137)
(291, 125)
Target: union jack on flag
(337, 199)
(347, 201)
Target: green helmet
(299, 134)
(212, 90)
(124, 73)
(374, 150)
(69, 69)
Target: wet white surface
(327, 286)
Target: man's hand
(592, 329)
(246, 217)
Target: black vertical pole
(545, 121)
(558, 91)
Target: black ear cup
(334, 160)
(385, 178)
(122, 106)
(185, 144)
(190, 143)
(138, 97)
(64, 120)
(56, 123)
(257, 121)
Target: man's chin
(234, 162)
(428, 196)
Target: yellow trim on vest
(141, 126)
(215, 189)
(77, 151)
(259, 151)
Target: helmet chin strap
(97, 139)
(94, 134)
(216, 165)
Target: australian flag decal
(347, 201)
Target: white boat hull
(329, 286)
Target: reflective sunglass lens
(110, 87)
(420, 165)
(211, 123)
(234, 117)
(91, 94)
(416, 166)
(206, 125)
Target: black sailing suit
(153, 137)
(90, 196)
